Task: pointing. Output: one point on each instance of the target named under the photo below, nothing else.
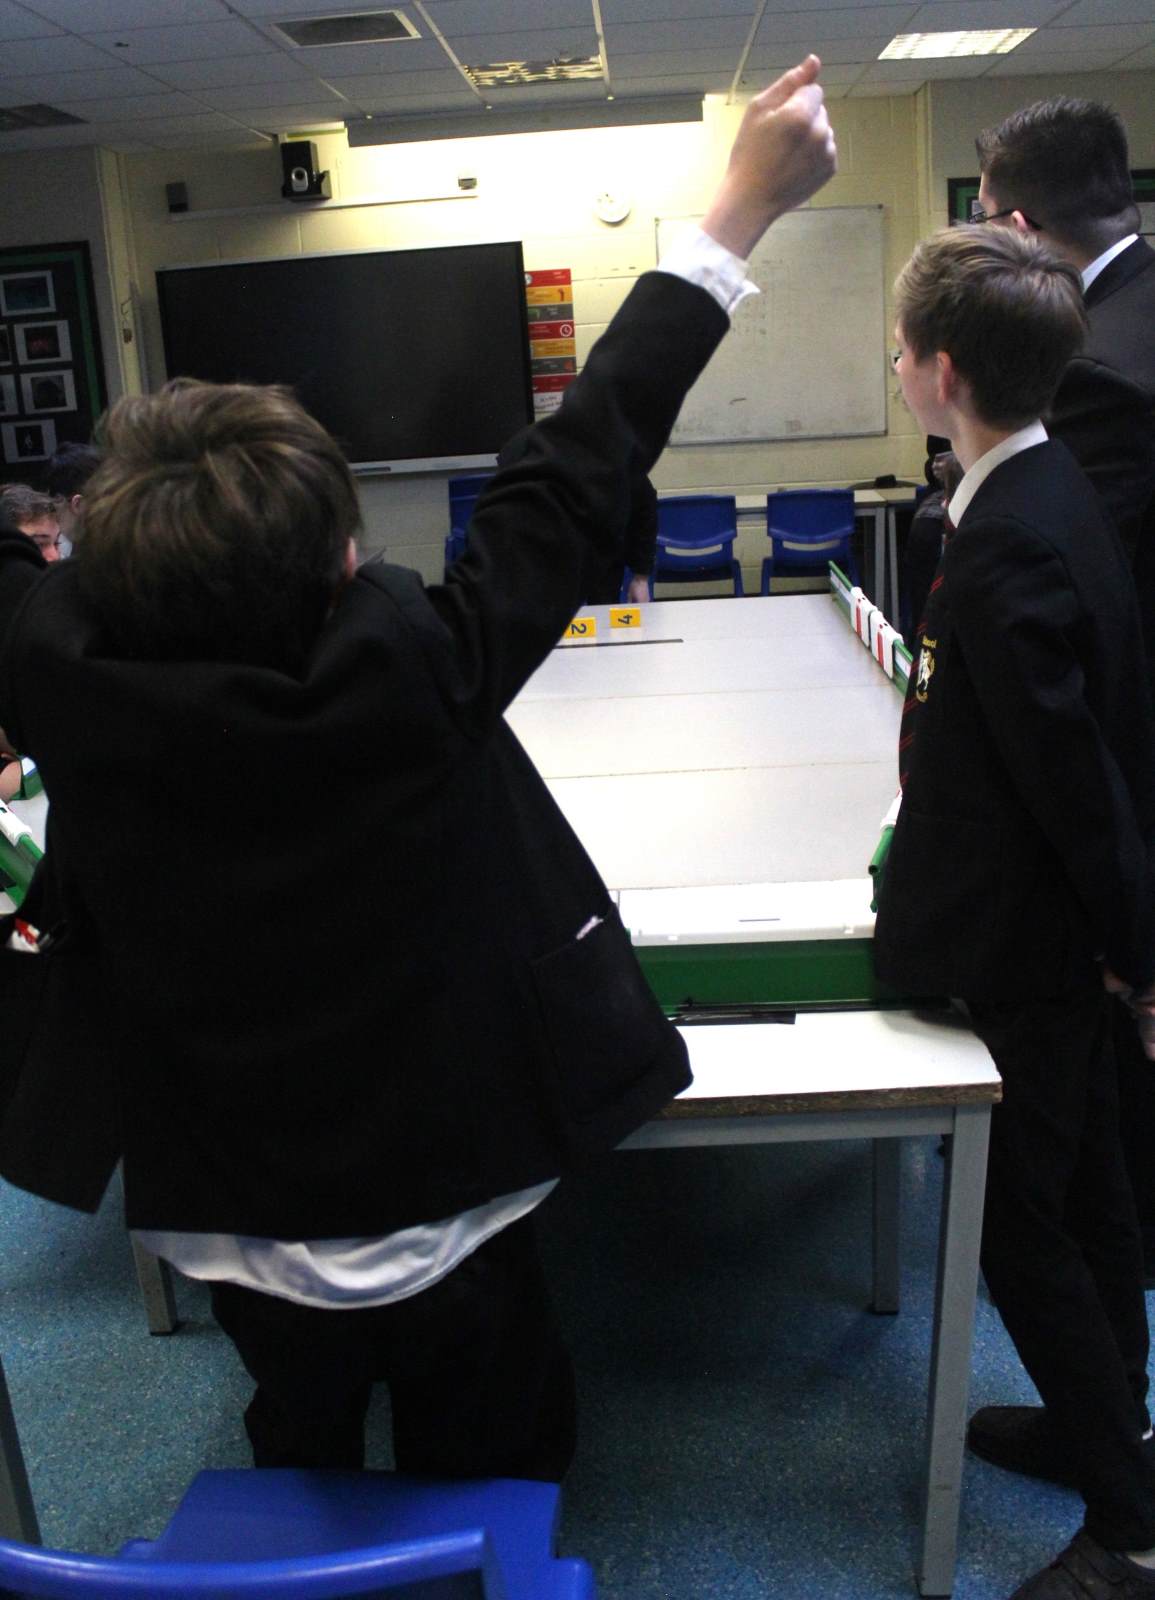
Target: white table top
(727, 742)
(897, 1057)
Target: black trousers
(1061, 1250)
(1137, 1122)
(480, 1382)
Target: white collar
(1091, 272)
(1034, 433)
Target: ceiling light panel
(961, 42)
(360, 27)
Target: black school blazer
(322, 977)
(1023, 849)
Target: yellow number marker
(582, 628)
(625, 616)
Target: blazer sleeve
(1108, 425)
(21, 566)
(642, 528)
(1017, 619)
(557, 509)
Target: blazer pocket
(602, 1022)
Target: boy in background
(1021, 874)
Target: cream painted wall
(56, 197)
(957, 111)
(539, 188)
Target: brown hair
(1063, 163)
(1008, 312)
(19, 505)
(216, 525)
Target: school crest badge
(925, 668)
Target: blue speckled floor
(748, 1428)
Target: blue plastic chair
(463, 493)
(696, 534)
(296, 1535)
(808, 528)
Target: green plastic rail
(19, 854)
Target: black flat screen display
(411, 358)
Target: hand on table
(638, 591)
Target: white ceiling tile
(271, 66)
(499, 16)
(1080, 41)
(50, 87)
(307, 114)
(389, 104)
(646, 87)
(127, 108)
(947, 15)
(269, 94)
(834, 52)
(623, 11)
(410, 85)
(673, 63)
(63, 53)
(89, 16)
(142, 46)
(809, 28)
(327, 61)
(696, 33)
(17, 23)
(536, 44)
(1086, 13)
(237, 139)
(834, 75)
(1019, 66)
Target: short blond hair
(1005, 308)
(216, 525)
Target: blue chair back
(696, 534)
(285, 1534)
(808, 528)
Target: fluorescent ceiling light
(964, 42)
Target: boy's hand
(784, 151)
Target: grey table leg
(17, 1513)
(958, 1268)
(892, 565)
(887, 1173)
(155, 1279)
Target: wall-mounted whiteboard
(805, 359)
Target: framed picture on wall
(962, 195)
(9, 401)
(48, 391)
(50, 335)
(42, 342)
(27, 441)
(26, 294)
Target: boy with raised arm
(345, 1046)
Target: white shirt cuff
(702, 260)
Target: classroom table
(727, 764)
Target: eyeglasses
(895, 358)
(979, 215)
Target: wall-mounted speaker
(301, 180)
(177, 196)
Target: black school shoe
(1085, 1571)
(1024, 1439)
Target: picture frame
(27, 294)
(5, 346)
(42, 343)
(9, 398)
(48, 391)
(27, 441)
